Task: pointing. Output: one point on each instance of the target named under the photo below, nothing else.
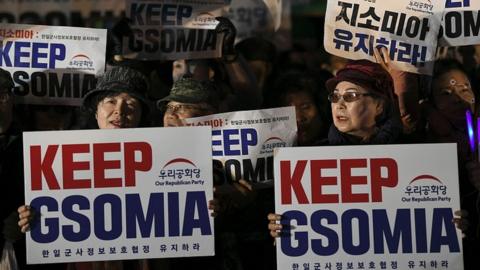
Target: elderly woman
(364, 111)
(117, 101)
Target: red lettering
(69, 166)
(291, 182)
(43, 167)
(318, 181)
(376, 165)
(100, 165)
(131, 166)
(348, 180)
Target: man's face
(308, 118)
(197, 69)
(6, 110)
(175, 112)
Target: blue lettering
(83, 221)
(36, 55)
(134, 214)
(196, 200)
(402, 227)
(99, 216)
(50, 223)
(363, 232)
(19, 45)
(248, 137)
(457, 3)
(330, 234)
(29, 54)
(4, 52)
(443, 216)
(301, 237)
(216, 143)
(421, 231)
(173, 214)
(57, 53)
(229, 142)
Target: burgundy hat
(369, 75)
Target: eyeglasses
(347, 97)
(183, 108)
(5, 97)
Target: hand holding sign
(226, 26)
(25, 214)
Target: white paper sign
(119, 194)
(461, 23)
(407, 28)
(368, 207)
(243, 142)
(65, 12)
(170, 29)
(52, 64)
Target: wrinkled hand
(273, 225)
(11, 231)
(26, 215)
(226, 27)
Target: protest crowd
(337, 102)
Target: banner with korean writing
(88, 13)
(52, 64)
(119, 194)
(171, 29)
(353, 28)
(255, 17)
(461, 23)
(268, 19)
(243, 142)
(368, 207)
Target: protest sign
(52, 64)
(461, 23)
(243, 142)
(119, 194)
(408, 29)
(368, 207)
(269, 19)
(89, 13)
(170, 30)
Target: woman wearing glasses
(364, 106)
(364, 111)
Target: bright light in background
(470, 128)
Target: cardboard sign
(461, 23)
(119, 194)
(170, 30)
(368, 207)
(90, 13)
(52, 64)
(408, 29)
(243, 142)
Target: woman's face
(309, 122)
(120, 111)
(451, 89)
(356, 117)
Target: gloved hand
(226, 26)
(115, 37)
(11, 231)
